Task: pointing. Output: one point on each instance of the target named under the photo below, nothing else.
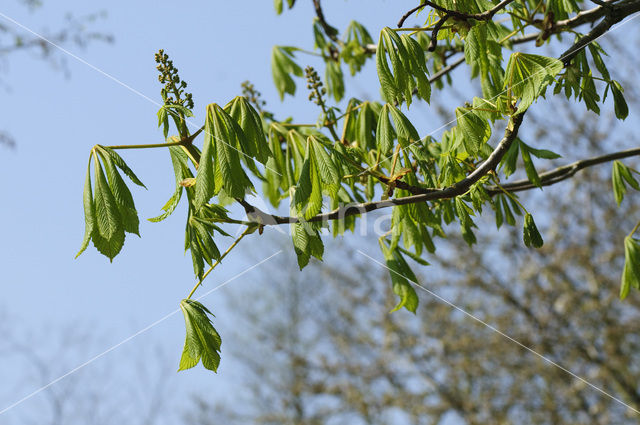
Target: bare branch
(483, 16)
(562, 173)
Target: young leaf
(530, 169)
(202, 341)
(306, 243)
(334, 79)
(619, 104)
(619, 175)
(385, 133)
(472, 129)
(255, 143)
(407, 134)
(205, 178)
(282, 65)
(531, 236)
(631, 271)
(528, 76)
(401, 279)
(89, 210)
(109, 235)
(122, 196)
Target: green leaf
(307, 198)
(202, 341)
(619, 104)
(631, 271)
(119, 162)
(122, 196)
(472, 129)
(619, 175)
(334, 79)
(205, 178)
(407, 134)
(401, 279)
(89, 210)
(254, 143)
(108, 237)
(531, 236)
(530, 169)
(306, 242)
(385, 133)
(326, 167)
(282, 65)
(528, 76)
(277, 4)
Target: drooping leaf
(527, 76)
(631, 271)
(619, 175)
(202, 341)
(122, 196)
(402, 278)
(108, 237)
(334, 79)
(619, 103)
(306, 242)
(472, 129)
(407, 134)
(385, 133)
(531, 236)
(255, 143)
(89, 211)
(282, 65)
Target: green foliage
(631, 271)
(202, 341)
(527, 77)
(366, 152)
(408, 71)
(531, 236)
(282, 65)
(621, 177)
(109, 210)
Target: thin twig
(483, 16)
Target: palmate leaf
(282, 65)
(402, 278)
(621, 174)
(385, 133)
(254, 144)
(221, 156)
(528, 76)
(108, 236)
(306, 242)
(472, 130)
(202, 341)
(631, 271)
(122, 196)
(109, 210)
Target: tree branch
(256, 215)
(585, 17)
(483, 16)
(562, 173)
(330, 31)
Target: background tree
(369, 155)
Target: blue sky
(56, 120)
